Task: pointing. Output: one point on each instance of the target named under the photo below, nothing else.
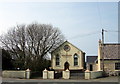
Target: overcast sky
(80, 22)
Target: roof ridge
(69, 43)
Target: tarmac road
(106, 80)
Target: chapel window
(75, 59)
(57, 60)
(117, 66)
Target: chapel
(67, 56)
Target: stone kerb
(66, 74)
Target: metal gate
(77, 75)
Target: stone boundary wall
(16, 74)
(48, 74)
(93, 74)
(96, 74)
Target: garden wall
(93, 74)
(16, 74)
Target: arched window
(75, 59)
(57, 60)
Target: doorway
(91, 67)
(66, 66)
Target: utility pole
(103, 36)
(103, 49)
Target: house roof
(91, 59)
(66, 42)
(111, 51)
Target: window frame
(57, 60)
(75, 59)
(117, 66)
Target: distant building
(67, 56)
(109, 57)
(91, 63)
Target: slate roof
(111, 51)
(91, 59)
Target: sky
(80, 22)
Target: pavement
(105, 79)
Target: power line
(112, 31)
(91, 33)
(84, 35)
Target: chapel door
(66, 66)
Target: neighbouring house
(91, 63)
(67, 56)
(109, 57)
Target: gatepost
(66, 74)
(28, 73)
(45, 74)
(87, 74)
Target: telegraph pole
(103, 36)
(103, 49)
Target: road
(106, 79)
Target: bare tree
(31, 43)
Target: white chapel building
(67, 56)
